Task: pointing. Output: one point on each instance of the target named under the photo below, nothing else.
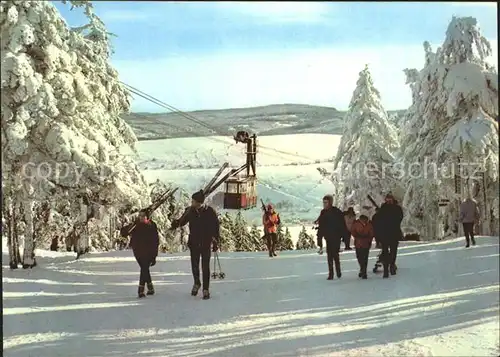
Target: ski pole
(218, 261)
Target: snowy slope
(444, 301)
(287, 168)
(213, 151)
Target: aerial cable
(198, 121)
(154, 101)
(172, 108)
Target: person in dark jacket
(144, 242)
(331, 226)
(469, 215)
(203, 234)
(376, 229)
(388, 230)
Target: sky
(217, 55)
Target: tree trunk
(12, 237)
(29, 260)
(54, 245)
(82, 244)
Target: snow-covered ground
(287, 167)
(443, 302)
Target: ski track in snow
(443, 301)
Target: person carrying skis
(469, 215)
(349, 217)
(388, 223)
(270, 221)
(203, 234)
(331, 226)
(362, 231)
(144, 242)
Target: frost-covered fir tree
(226, 243)
(256, 239)
(241, 236)
(470, 133)
(284, 239)
(451, 126)
(305, 241)
(287, 243)
(61, 126)
(367, 146)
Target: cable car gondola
(241, 191)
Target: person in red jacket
(270, 221)
(362, 231)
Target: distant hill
(278, 119)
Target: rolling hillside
(279, 119)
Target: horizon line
(252, 107)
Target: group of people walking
(334, 225)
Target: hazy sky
(214, 55)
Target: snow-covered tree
(287, 243)
(241, 236)
(256, 239)
(305, 241)
(367, 146)
(226, 242)
(61, 127)
(284, 239)
(452, 125)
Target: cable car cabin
(240, 193)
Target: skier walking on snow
(203, 233)
(270, 221)
(349, 217)
(469, 215)
(388, 227)
(362, 231)
(144, 242)
(331, 226)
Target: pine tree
(287, 240)
(284, 239)
(367, 145)
(420, 199)
(452, 121)
(280, 238)
(256, 239)
(305, 240)
(226, 243)
(61, 106)
(312, 241)
(242, 240)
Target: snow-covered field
(443, 302)
(287, 167)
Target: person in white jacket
(469, 215)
